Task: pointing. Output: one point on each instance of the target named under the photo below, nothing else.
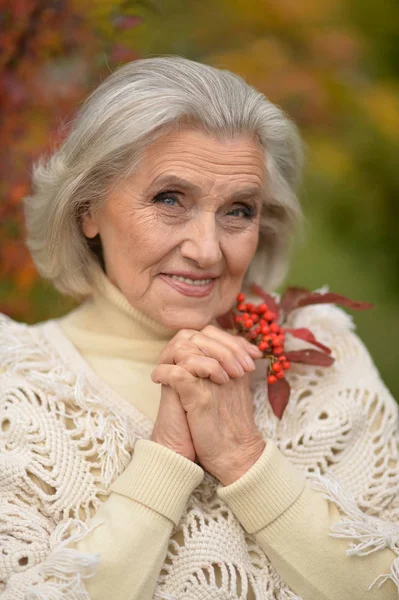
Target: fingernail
(255, 350)
(249, 363)
(240, 368)
(226, 377)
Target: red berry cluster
(259, 325)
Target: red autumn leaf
(305, 334)
(279, 394)
(226, 321)
(290, 298)
(310, 357)
(330, 297)
(270, 301)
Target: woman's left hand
(221, 421)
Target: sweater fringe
(24, 352)
(65, 566)
(368, 534)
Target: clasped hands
(206, 408)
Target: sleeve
(291, 522)
(118, 555)
(312, 529)
(134, 525)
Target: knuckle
(180, 334)
(184, 334)
(180, 344)
(241, 344)
(196, 338)
(187, 362)
(228, 354)
(179, 375)
(209, 329)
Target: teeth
(190, 281)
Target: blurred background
(332, 65)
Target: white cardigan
(66, 446)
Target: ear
(89, 225)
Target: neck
(108, 312)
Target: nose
(201, 243)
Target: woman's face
(179, 234)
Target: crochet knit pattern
(64, 439)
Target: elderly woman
(140, 457)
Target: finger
(169, 405)
(233, 362)
(205, 368)
(171, 428)
(177, 349)
(223, 336)
(197, 366)
(199, 345)
(242, 348)
(177, 377)
(231, 340)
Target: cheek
(144, 238)
(240, 253)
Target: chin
(185, 320)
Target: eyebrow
(251, 192)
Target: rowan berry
(278, 350)
(280, 375)
(262, 323)
(252, 335)
(248, 323)
(282, 358)
(274, 328)
(286, 364)
(263, 346)
(241, 307)
(262, 308)
(254, 317)
(264, 330)
(276, 367)
(271, 379)
(250, 307)
(238, 318)
(245, 316)
(240, 297)
(270, 316)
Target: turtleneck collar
(108, 318)
(121, 318)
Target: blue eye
(246, 212)
(168, 198)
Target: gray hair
(133, 106)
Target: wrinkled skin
(192, 206)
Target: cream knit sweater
(90, 508)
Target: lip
(194, 276)
(196, 291)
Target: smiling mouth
(195, 288)
(188, 280)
